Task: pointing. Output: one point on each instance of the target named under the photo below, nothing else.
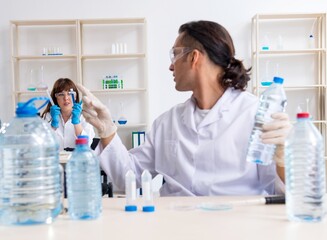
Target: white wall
(163, 17)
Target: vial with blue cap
(147, 193)
(30, 173)
(130, 191)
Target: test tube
(130, 191)
(148, 205)
(50, 98)
(72, 93)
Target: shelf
(296, 57)
(128, 126)
(113, 21)
(300, 87)
(294, 16)
(119, 91)
(57, 57)
(295, 51)
(43, 22)
(30, 93)
(87, 47)
(112, 56)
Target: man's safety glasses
(178, 52)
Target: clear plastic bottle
(305, 172)
(83, 182)
(29, 169)
(271, 101)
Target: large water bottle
(29, 169)
(305, 172)
(83, 182)
(272, 100)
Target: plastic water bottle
(272, 100)
(29, 169)
(305, 172)
(83, 182)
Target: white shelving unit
(87, 56)
(292, 46)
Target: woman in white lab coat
(199, 146)
(65, 115)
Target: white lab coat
(66, 133)
(206, 160)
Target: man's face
(180, 65)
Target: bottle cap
(28, 109)
(278, 80)
(148, 209)
(130, 208)
(303, 115)
(81, 141)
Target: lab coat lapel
(188, 114)
(216, 113)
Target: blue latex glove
(76, 113)
(55, 115)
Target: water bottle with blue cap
(272, 100)
(29, 169)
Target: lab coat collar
(216, 112)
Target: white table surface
(175, 218)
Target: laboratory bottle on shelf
(272, 100)
(29, 169)
(265, 43)
(83, 182)
(147, 192)
(130, 191)
(122, 120)
(42, 86)
(305, 172)
(31, 85)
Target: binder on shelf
(137, 138)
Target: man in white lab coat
(199, 146)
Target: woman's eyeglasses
(63, 94)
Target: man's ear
(195, 56)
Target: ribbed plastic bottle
(29, 169)
(272, 100)
(305, 172)
(83, 182)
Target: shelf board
(103, 91)
(43, 22)
(297, 16)
(294, 51)
(31, 93)
(33, 57)
(131, 125)
(124, 90)
(113, 21)
(112, 56)
(295, 87)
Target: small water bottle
(29, 169)
(83, 182)
(271, 101)
(305, 172)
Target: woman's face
(65, 101)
